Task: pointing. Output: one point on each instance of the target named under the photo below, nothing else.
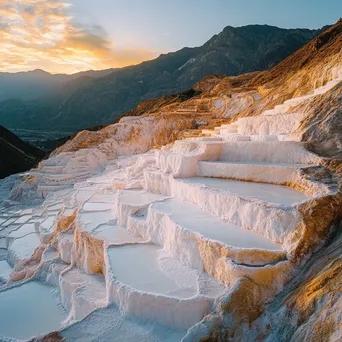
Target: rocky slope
(88, 101)
(16, 155)
(213, 216)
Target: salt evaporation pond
(29, 310)
(138, 267)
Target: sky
(68, 36)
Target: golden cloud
(42, 34)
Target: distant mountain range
(33, 84)
(38, 100)
(16, 155)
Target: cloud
(43, 34)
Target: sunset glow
(43, 34)
(67, 36)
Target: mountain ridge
(32, 84)
(87, 101)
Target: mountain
(86, 101)
(32, 84)
(16, 155)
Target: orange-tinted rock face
(26, 269)
(310, 307)
(89, 253)
(322, 127)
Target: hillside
(212, 215)
(16, 155)
(86, 101)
